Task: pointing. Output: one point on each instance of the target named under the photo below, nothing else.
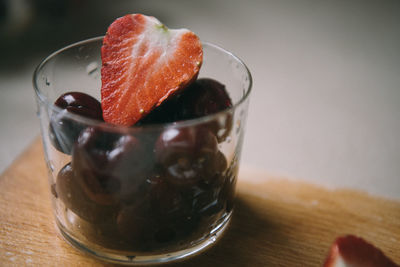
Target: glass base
(120, 258)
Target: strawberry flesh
(143, 64)
(355, 252)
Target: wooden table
(277, 222)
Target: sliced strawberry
(144, 63)
(353, 251)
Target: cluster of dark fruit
(141, 192)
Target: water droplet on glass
(131, 257)
(71, 217)
(91, 68)
(213, 238)
(237, 127)
(51, 165)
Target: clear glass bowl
(141, 194)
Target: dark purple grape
(70, 192)
(111, 165)
(186, 154)
(64, 131)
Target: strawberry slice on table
(143, 64)
(352, 251)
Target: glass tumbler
(147, 193)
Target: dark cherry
(219, 165)
(186, 154)
(135, 224)
(80, 104)
(138, 228)
(227, 193)
(64, 131)
(165, 234)
(158, 189)
(166, 112)
(111, 165)
(203, 97)
(70, 192)
(149, 220)
(53, 190)
(207, 203)
(165, 199)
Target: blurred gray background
(326, 101)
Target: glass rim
(92, 122)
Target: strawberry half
(143, 64)
(353, 251)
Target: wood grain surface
(277, 222)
